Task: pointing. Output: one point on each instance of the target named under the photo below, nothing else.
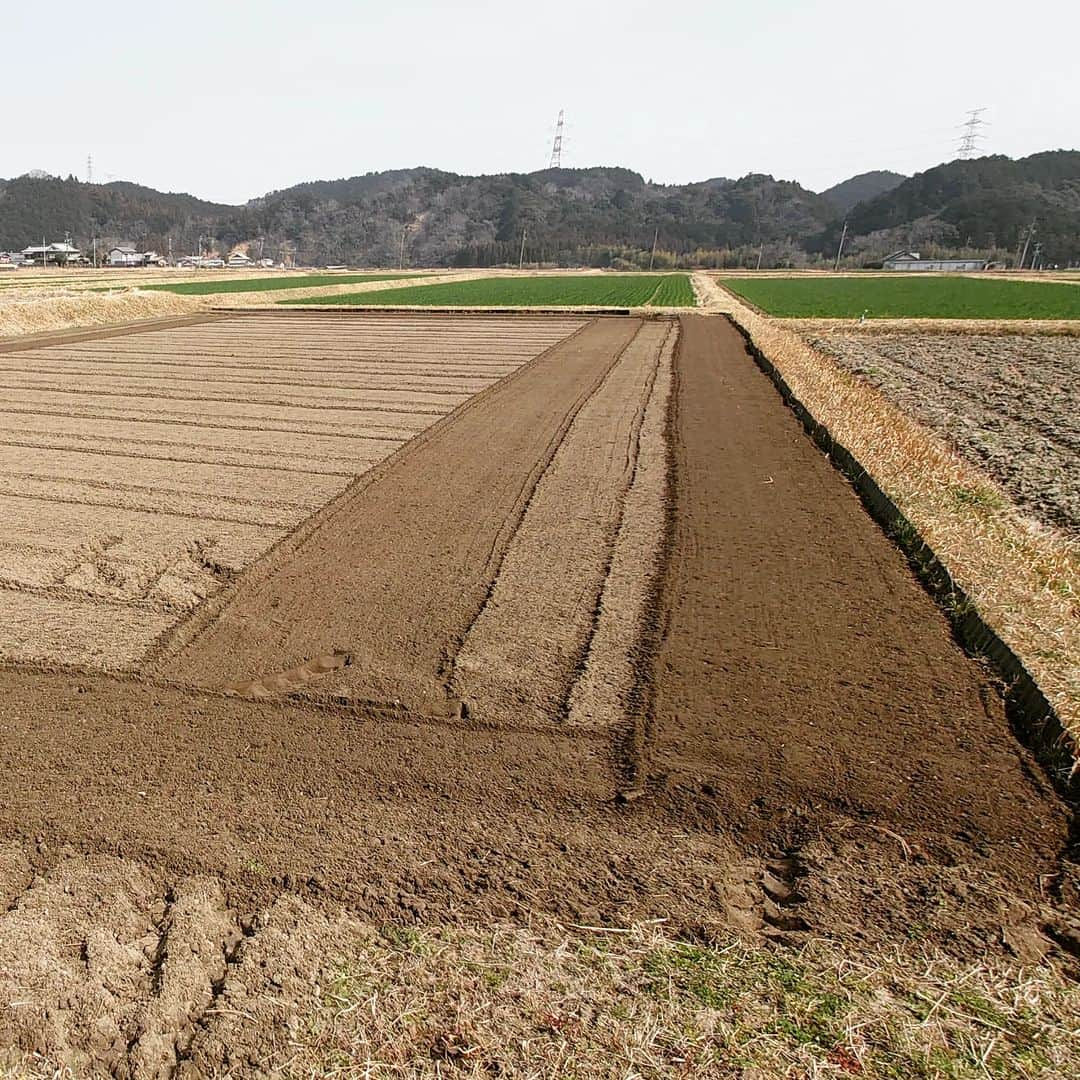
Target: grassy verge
(908, 297)
(601, 290)
(512, 1003)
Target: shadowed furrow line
(188, 460)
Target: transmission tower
(89, 169)
(969, 141)
(556, 146)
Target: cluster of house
(66, 254)
(238, 260)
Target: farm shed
(911, 260)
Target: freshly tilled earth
(141, 471)
(779, 735)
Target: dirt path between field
(397, 570)
(804, 674)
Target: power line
(969, 141)
(556, 146)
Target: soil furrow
(804, 673)
(398, 569)
(602, 697)
(521, 653)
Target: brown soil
(604, 691)
(804, 675)
(1010, 403)
(522, 652)
(140, 471)
(803, 749)
(397, 570)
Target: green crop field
(601, 290)
(909, 298)
(267, 284)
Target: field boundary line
(1034, 718)
(46, 338)
(189, 629)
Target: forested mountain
(32, 207)
(596, 216)
(848, 193)
(567, 215)
(985, 204)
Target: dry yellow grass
(1023, 577)
(553, 1002)
(36, 312)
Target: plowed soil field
(1008, 402)
(606, 640)
(138, 472)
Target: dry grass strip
(524, 1004)
(1023, 577)
(31, 313)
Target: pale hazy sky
(232, 98)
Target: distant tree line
(605, 217)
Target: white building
(911, 260)
(56, 254)
(126, 256)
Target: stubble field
(549, 645)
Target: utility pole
(401, 256)
(840, 249)
(760, 252)
(655, 237)
(1036, 255)
(93, 243)
(521, 254)
(1027, 240)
